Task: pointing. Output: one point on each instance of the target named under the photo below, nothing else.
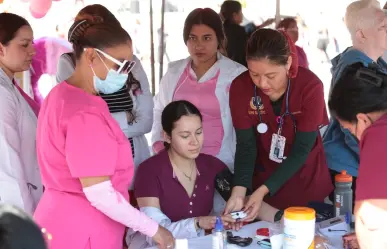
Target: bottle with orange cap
(299, 228)
(343, 195)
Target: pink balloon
(39, 8)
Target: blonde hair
(361, 14)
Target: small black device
(264, 243)
(224, 184)
(237, 240)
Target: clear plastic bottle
(219, 235)
(343, 196)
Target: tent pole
(152, 47)
(277, 12)
(161, 42)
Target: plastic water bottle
(343, 196)
(219, 235)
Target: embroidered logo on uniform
(253, 108)
(207, 187)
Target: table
(249, 231)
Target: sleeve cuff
(270, 184)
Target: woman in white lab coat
(20, 182)
(204, 79)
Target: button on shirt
(156, 178)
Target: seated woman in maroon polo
(176, 187)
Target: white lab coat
(20, 182)
(229, 70)
(142, 108)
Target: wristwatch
(197, 223)
(278, 216)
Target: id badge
(277, 148)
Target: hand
(254, 203)
(350, 241)
(236, 201)
(227, 220)
(236, 226)
(206, 222)
(164, 239)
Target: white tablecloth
(249, 231)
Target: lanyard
(258, 103)
(287, 113)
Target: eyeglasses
(125, 66)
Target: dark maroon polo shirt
(371, 180)
(155, 178)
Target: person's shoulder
(242, 82)
(176, 65)
(8, 97)
(231, 66)
(154, 164)
(210, 163)
(377, 130)
(307, 78)
(234, 29)
(71, 101)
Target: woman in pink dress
(85, 159)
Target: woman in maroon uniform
(358, 101)
(277, 110)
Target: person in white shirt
(20, 182)
(204, 79)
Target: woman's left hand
(254, 202)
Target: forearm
(110, 202)
(267, 212)
(303, 144)
(245, 156)
(182, 229)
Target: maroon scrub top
(155, 178)
(371, 181)
(306, 103)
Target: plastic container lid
(300, 213)
(343, 177)
(219, 225)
